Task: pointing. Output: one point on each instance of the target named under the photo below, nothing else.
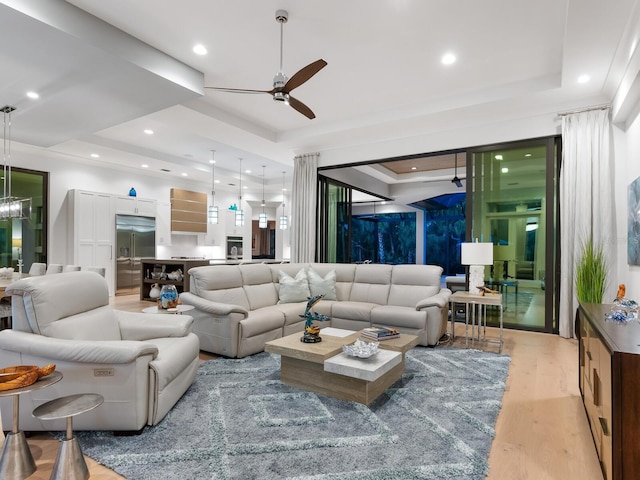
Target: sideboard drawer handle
(603, 424)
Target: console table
(609, 364)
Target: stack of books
(380, 333)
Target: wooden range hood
(188, 211)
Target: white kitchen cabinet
(91, 231)
(126, 205)
(163, 224)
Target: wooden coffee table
(303, 366)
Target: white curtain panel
(586, 200)
(303, 208)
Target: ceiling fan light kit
(456, 181)
(282, 85)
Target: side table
(476, 313)
(16, 461)
(70, 464)
(177, 310)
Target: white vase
(155, 291)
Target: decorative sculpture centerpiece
(623, 308)
(311, 331)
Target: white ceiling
(100, 88)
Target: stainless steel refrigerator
(135, 240)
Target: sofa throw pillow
(322, 286)
(293, 289)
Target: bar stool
(70, 464)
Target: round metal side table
(16, 461)
(70, 464)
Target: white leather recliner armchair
(140, 363)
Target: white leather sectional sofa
(240, 307)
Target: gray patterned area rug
(238, 421)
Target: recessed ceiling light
(584, 78)
(383, 202)
(95, 155)
(212, 161)
(247, 171)
(527, 154)
(498, 157)
(184, 174)
(505, 170)
(33, 95)
(448, 59)
(199, 49)
(245, 187)
(414, 168)
(148, 131)
(217, 181)
(144, 165)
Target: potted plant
(591, 272)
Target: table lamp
(476, 255)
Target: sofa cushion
(345, 274)
(293, 290)
(371, 284)
(360, 311)
(258, 285)
(97, 324)
(412, 283)
(319, 285)
(395, 316)
(292, 312)
(219, 283)
(261, 321)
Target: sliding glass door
(513, 205)
(334, 221)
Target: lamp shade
(16, 242)
(476, 253)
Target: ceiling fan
(282, 86)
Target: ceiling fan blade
(304, 74)
(238, 90)
(301, 107)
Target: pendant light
(262, 218)
(239, 211)
(284, 221)
(456, 180)
(212, 211)
(11, 207)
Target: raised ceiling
(106, 71)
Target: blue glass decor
(132, 192)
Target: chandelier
(284, 221)
(239, 211)
(262, 218)
(212, 211)
(11, 207)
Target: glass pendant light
(212, 211)
(239, 211)
(284, 221)
(10, 206)
(262, 218)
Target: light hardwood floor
(541, 433)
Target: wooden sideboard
(609, 356)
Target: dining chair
(37, 269)
(101, 270)
(54, 268)
(71, 268)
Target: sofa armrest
(440, 299)
(81, 351)
(146, 326)
(215, 308)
